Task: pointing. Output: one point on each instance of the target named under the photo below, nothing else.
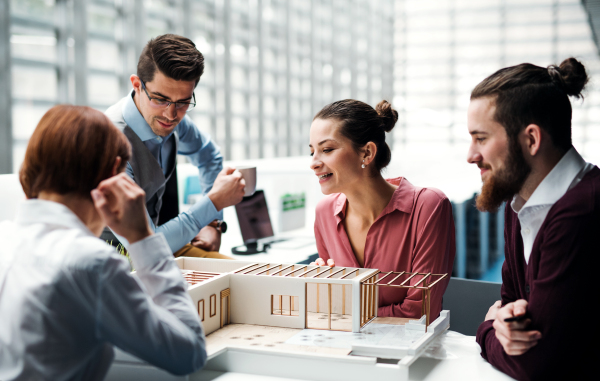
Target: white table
(453, 356)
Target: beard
(505, 183)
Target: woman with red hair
(66, 297)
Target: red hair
(72, 149)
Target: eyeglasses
(163, 103)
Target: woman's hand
(321, 262)
(122, 205)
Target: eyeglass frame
(169, 103)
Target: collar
(137, 123)
(35, 211)
(555, 184)
(402, 199)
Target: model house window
(284, 305)
(201, 309)
(213, 305)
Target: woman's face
(334, 161)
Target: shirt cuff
(149, 251)
(204, 211)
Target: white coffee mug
(249, 175)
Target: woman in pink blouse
(368, 221)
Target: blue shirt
(201, 151)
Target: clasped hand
(122, 205)
(513, 336)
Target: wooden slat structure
(194, 277)
(226, 293)
(421, 281)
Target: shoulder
(115, 113)
(430, 195)
(430, 199)
(582, 200)
(92, 255)
(185, 125)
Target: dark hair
(362, 124)
(174, 56)
(527, 94)
(72, 149)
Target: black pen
(515, 318)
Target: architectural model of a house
(253, 298)
(292, 296)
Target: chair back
(468, 301)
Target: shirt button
(527, 289)
(159, 139)
(526, 231)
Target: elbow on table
(189, 365)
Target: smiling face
(162, 120)
(334, 160)
(503, 167)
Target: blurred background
(272, 64)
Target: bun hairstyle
(570, 76)
(362, 123)
(529, 94)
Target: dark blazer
(561, 284)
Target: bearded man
(519, 119)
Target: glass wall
(270, 64)
(445, 47)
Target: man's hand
(514, 338)
(208, 239)
(491, 315)
(321, 262)
(228, 188)
(122, 205)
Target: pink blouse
(414, 233)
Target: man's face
(162, 120)
(503, 167)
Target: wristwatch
(220, 225)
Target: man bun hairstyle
(528, 94)
(361, 123)
(174, 56)
(571, 76)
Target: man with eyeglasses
(153, 117)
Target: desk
(452, 356)
(233, 237)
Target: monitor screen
(253, 216)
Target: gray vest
(147, 172)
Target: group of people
(66, 297)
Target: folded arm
(565, 268)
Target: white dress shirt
(567, 173)
(66, 298)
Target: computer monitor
(253, 216)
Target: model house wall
(251, 300)
(315, 296)
(204, 291)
